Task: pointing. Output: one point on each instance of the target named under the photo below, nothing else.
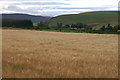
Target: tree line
(60, 26)
(110, 28)
(78, 27)
(17, 23)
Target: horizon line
(58, 15)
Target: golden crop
(42, 54)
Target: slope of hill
(25, 16)
(97, 18)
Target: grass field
(97, 17)
(43, 54)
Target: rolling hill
(97, 18)
(25, 16)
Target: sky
(56, 7)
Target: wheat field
(43, 54)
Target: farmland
(43, 54)
(97, 18)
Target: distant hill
(34, 18)
(97, 18)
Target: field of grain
(42, 54)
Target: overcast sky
(56, 7)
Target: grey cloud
(42, 3)
(66, 9)
(56, 13)
(13, 8)
(18, 9)
(92, 8)
(35, 11)
(78, 8)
